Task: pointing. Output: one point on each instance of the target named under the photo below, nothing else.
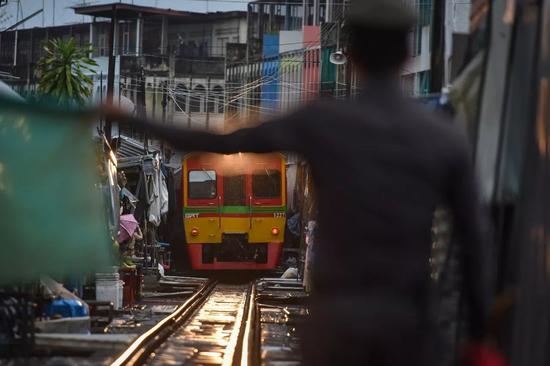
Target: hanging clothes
(158, 200)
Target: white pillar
(316, 11)
(328, 11)
(139, 35)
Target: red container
(131, 285)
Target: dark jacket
(381, 164)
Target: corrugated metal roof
(128, 147)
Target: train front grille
(234, 248)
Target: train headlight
(194, 232)
(275, 231)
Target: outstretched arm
(472, 226)
(278, 135)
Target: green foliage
(62, 72)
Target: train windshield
(202, 184)
(266, 183)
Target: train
(234, 210)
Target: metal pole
(15, 49)
(100, 94)
(139, 35)
(164, 102)
(190, 99)
(92, 38)
(305, 5)
(207, 104)
(316, 11)
(111, 71)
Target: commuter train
(234, 210)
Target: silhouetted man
(381, 164)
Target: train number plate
(279, 215)
(191, 215)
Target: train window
(202, 184)
(266, 183)
(234, 190)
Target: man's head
(378, 31)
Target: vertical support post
(305, 6)
(111, 71)
(140, 101)
(261, 22)
(154, 101)
(248, 30)
(328, 11)
(29, 62)
(208, 104)
(91, 36)
(288, 17)
(190, 100)
(271, 17)
(164, 102)
(15, 48)
(139, 35)
(316, 11)
(100, 95)
(164, 36)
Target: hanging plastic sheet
(53, 219)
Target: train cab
(234, 210)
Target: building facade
(170, 64)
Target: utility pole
(438, 46)
(111, 71)
(164, 102)
(140, 102)
(208, 103)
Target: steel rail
(240, 341)
(144, 345)
(249, 350)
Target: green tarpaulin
(52, 219)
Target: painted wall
(270, 73)
(290, 45)
(312, 56)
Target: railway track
(213, 327)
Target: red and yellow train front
(234, 210)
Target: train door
(234, 200)
(266, 199)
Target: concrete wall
(291, 44)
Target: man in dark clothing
(381, 164)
